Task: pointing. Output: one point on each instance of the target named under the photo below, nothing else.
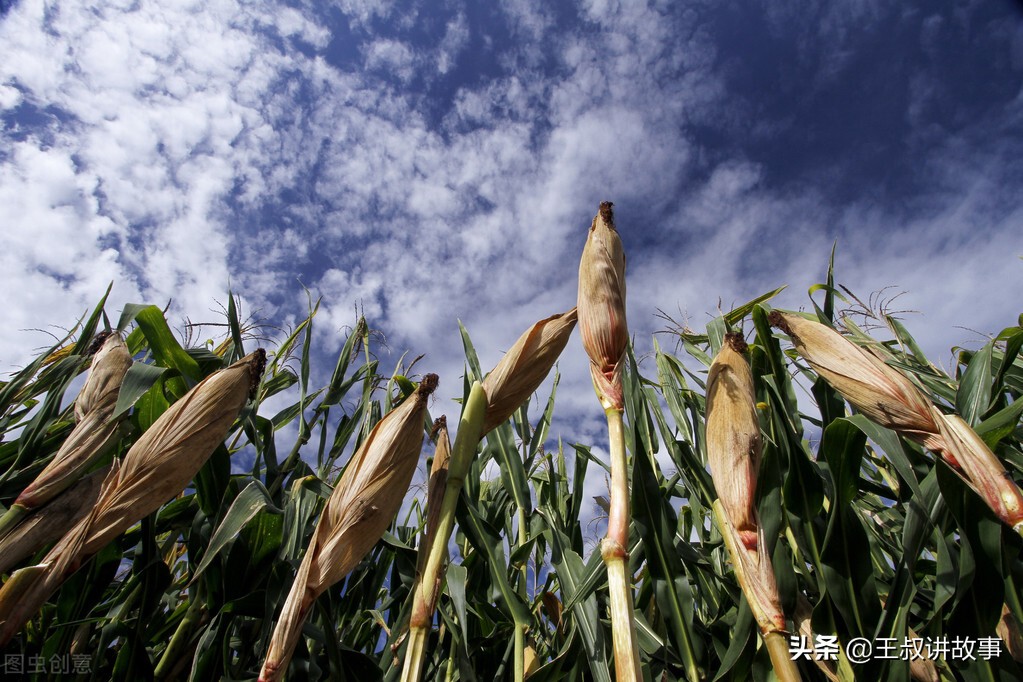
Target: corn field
(784, 501)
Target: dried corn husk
(109, 365)
(426, 595)
(601, 306)
(1008, 629)
(733, 437)
(524, 367)
(733, 452)
(96, 430)
(530, 661)
(887, 397)
(427, 587)
(880, 392)
(156, 468)
(52, 520)
(922, 669)
(169, 454)
(801, 617)
(981, 469)
(358, 512)
(755, 574)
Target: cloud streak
(433, 165)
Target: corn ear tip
(776, 319)
(256, 368)
(97, 342)
(607, 213)
(736, 342)
(428, 385)
(439, 423)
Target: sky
(433, 162)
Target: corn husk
(981, 469)
(733, 453)
(524, 367)
(531, 662)
(922, 669)
(96, 431)
(440, 523)
(156, 468)
(426, 595)
(601, 306)
(427, 587)
(605, 332)
(887, 397)
(733, 437)
(358, 512)
(109, 365)
(801, 617)
(52, 520)
(755, 574)
(1011, 634)
(879, 391)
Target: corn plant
(878, 492)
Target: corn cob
(94, 434)
(887, 397)
(156, 468)
(605, 334)
(358, 512)
(733, 452)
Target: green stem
(778, 647)
(615, 552)
(179, 640)
(415, 652)
(520, 653)
(449, 674)
(470, 430)
(520, 639)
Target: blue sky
(431, 162)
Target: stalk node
(612, 549)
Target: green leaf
(486, 540)
(513, 473)
(211, 481)
(655, 522)
(475, 373)
(166, 349)
(1001, 424)
(249, 502)
(456, 582)
(731, 318)
(906, 339)
(338, 387)
(235, 325)
(974, 395)
(846, 554)
(1013, 338)
(150, 405)
(738, 638)
(892, 446)
(137, 381)
(568, 568)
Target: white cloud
(456, 37)
(392, 57)
(530, 18)
(361, 12)
(9, 97)
(201, 148)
